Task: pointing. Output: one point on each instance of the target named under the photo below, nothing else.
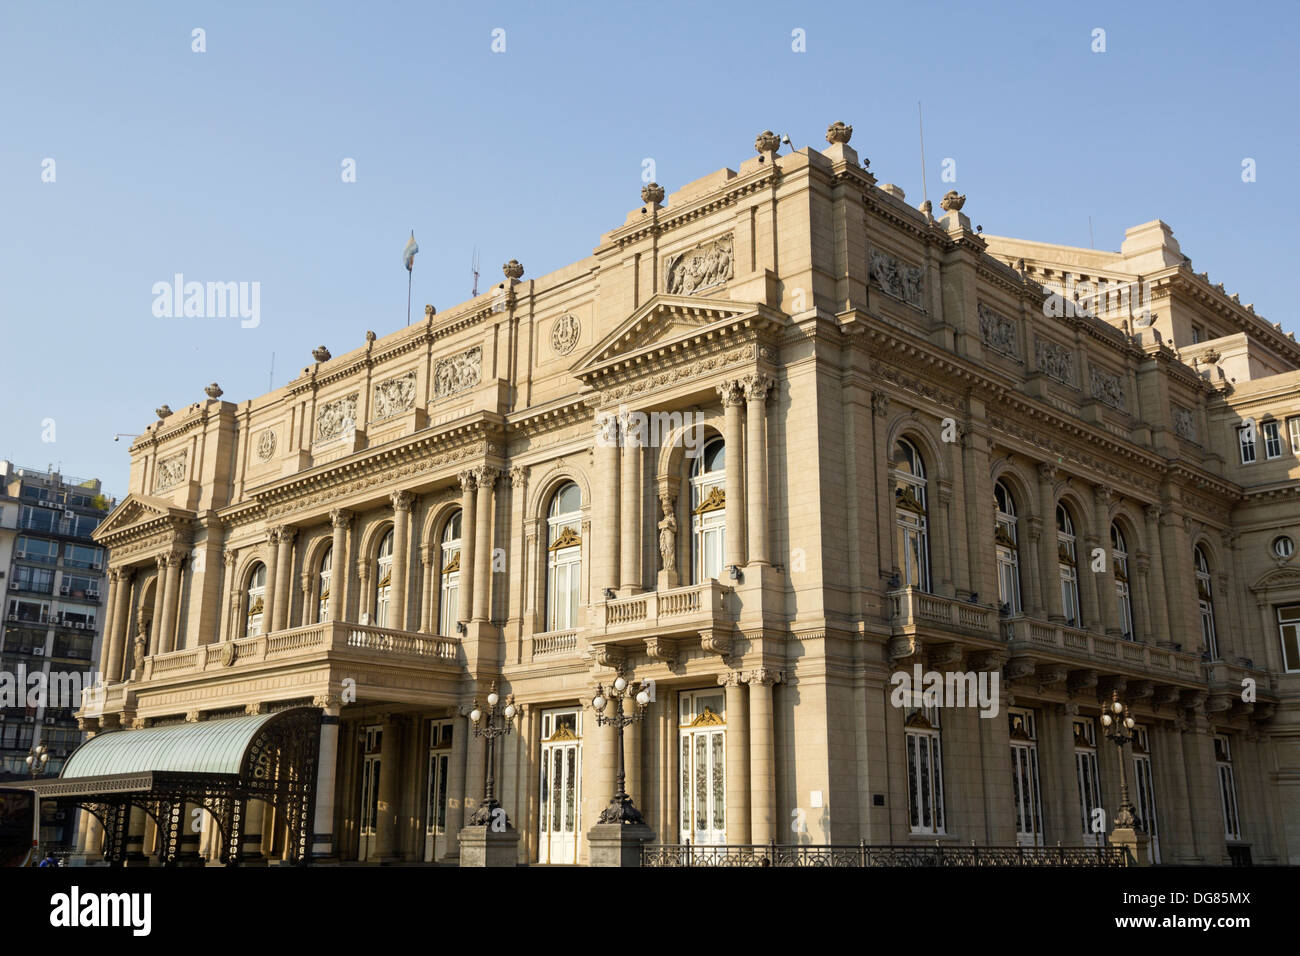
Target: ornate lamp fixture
(495, 723)
(1119, 726)
(620, 809)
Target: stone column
(629, 577)
(401, 556)
(1180, 582)
(1048, 568)
(632, 761)
(110, 612)
(1140, 597)
(762, 760)
(732, 396)
(159, 605)
(942, 544)
(326, 770)
(389, 777)
(1031, 580)
(487, 479)
(339, 520)
(461, 730)
(269, 599)
(606, 503)
(283, 580)
(468, 548)
(307, 616)
(365, 595)
(1089, 582)
(738, 797)
(428, 587)
(230, 590)
(1101, 496)
(171, 601)
(121, 622)
(1156, 595)
(756, 389)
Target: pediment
(136, 510)
(1278, 578)
(661, 320)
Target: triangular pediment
(661, 320)
(137, 510)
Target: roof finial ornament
(321, 354)
(838, 132)
(213, 391)
(163, 411)
(952, 202)
(652, 194)
(513, 270)
(766, 146)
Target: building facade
(774, 442)
(54, 583)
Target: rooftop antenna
(925, 193)
(474, 266)
(270, 379)
(1091, 244)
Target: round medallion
(229, 654)
(564, 334)
(266, 445)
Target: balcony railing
(758, 855)
(911, 608)
(554, 644)
(682, 609)
(1059, 639)
(312, 640)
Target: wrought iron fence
(863, 854)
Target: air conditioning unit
(65, 590)
(29, 720)
(14, 585)
(49, 720)
(39, 650)
(69, 515)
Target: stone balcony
(703, 611)
(314, 657)
(919, 619)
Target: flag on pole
(408, 254)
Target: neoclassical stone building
(775, 440)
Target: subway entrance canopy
(217, 765)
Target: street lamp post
(620, 809)
(495, 723)
(1118, 725)
(37, 757)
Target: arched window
(1123, 596)
(910, 516)
(255, 601)
(1205, 600)
(708, 511)
(1008, 549)
(449, 588)
(383, 579)
(1068, 562)
(323, 587)
(563, 558)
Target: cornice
(670, 219)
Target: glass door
(1146, 792)
(702, 768)
(1024, 779)
(561, 790)
(435, 831)
(370, 768)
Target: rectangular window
(1085, 766)
(925, 771)
(1197, 334)
(1145, 793)
(37, 549)
(1227, 788)
(40, 580)
(28, 612)
(1024, 779)
(1288, 623)
(1293, 429)
(80, 556)
(1272, 440)
(1246, 439)
(36, 519)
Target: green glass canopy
(210, 746)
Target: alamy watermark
(651, 429)
(208, 300)
(948, 689)
(41, 688)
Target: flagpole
(409, 273)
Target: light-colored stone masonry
(840, 320)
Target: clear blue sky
(225, 165)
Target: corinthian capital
(467, 480)
(1046, 472)
(1102, 494)
(340, 517)
(401, 500)
(757, 387)
(731, 393)
(518, 475)
(486, 476)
